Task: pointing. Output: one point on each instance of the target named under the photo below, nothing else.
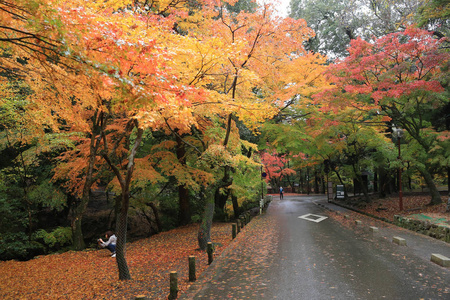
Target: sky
(282, 7)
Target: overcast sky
(282, 7)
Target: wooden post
(238, 226)
(210, 251)
(192, 276)
(173, 285)
(141, 297)
(233, 231)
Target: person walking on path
(281, 192)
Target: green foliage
(242, 6)
(61, 236)
(15, 245)
(47, 195)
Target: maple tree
(276, 167)
(396, 76)
(220, 56)
(88, 77)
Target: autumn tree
(241, 73)
(396, 76)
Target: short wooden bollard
(210, 251)
(173, 285)
(242, 222)
(238, 226)
(233, 231)
(141, 297)
(192, 276)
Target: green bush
(17, 246)
(61, 236)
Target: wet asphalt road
(320, 258)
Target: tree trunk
(184, 210)
(316, 182)
(121, 232)
(77, 233)
(156, 214)
(363, 187)
(384, 183)
(324, 185)
(375, 182)
(125, 183)
(448, 189)
(220, 198)
(236, 208)
(435, 196)
(308, 190)
(301, 182)
(204, 233)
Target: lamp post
(398, 132)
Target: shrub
(17, 246)
(61, 236)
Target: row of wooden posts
(236, 227)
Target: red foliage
(276, 166)
(93, 273)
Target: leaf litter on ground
(93, 274)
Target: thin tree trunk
(375, 182)
(236, 208)
(156, 214)
(80, 209)
(316, 182)
(308, 190)
(184, 209)
(324, 190)
(125, 183)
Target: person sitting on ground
(110, 244)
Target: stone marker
(440, 260)
(399, 241)
(373, 229)
(358, 222)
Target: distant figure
(281, 192)
(110, 244)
